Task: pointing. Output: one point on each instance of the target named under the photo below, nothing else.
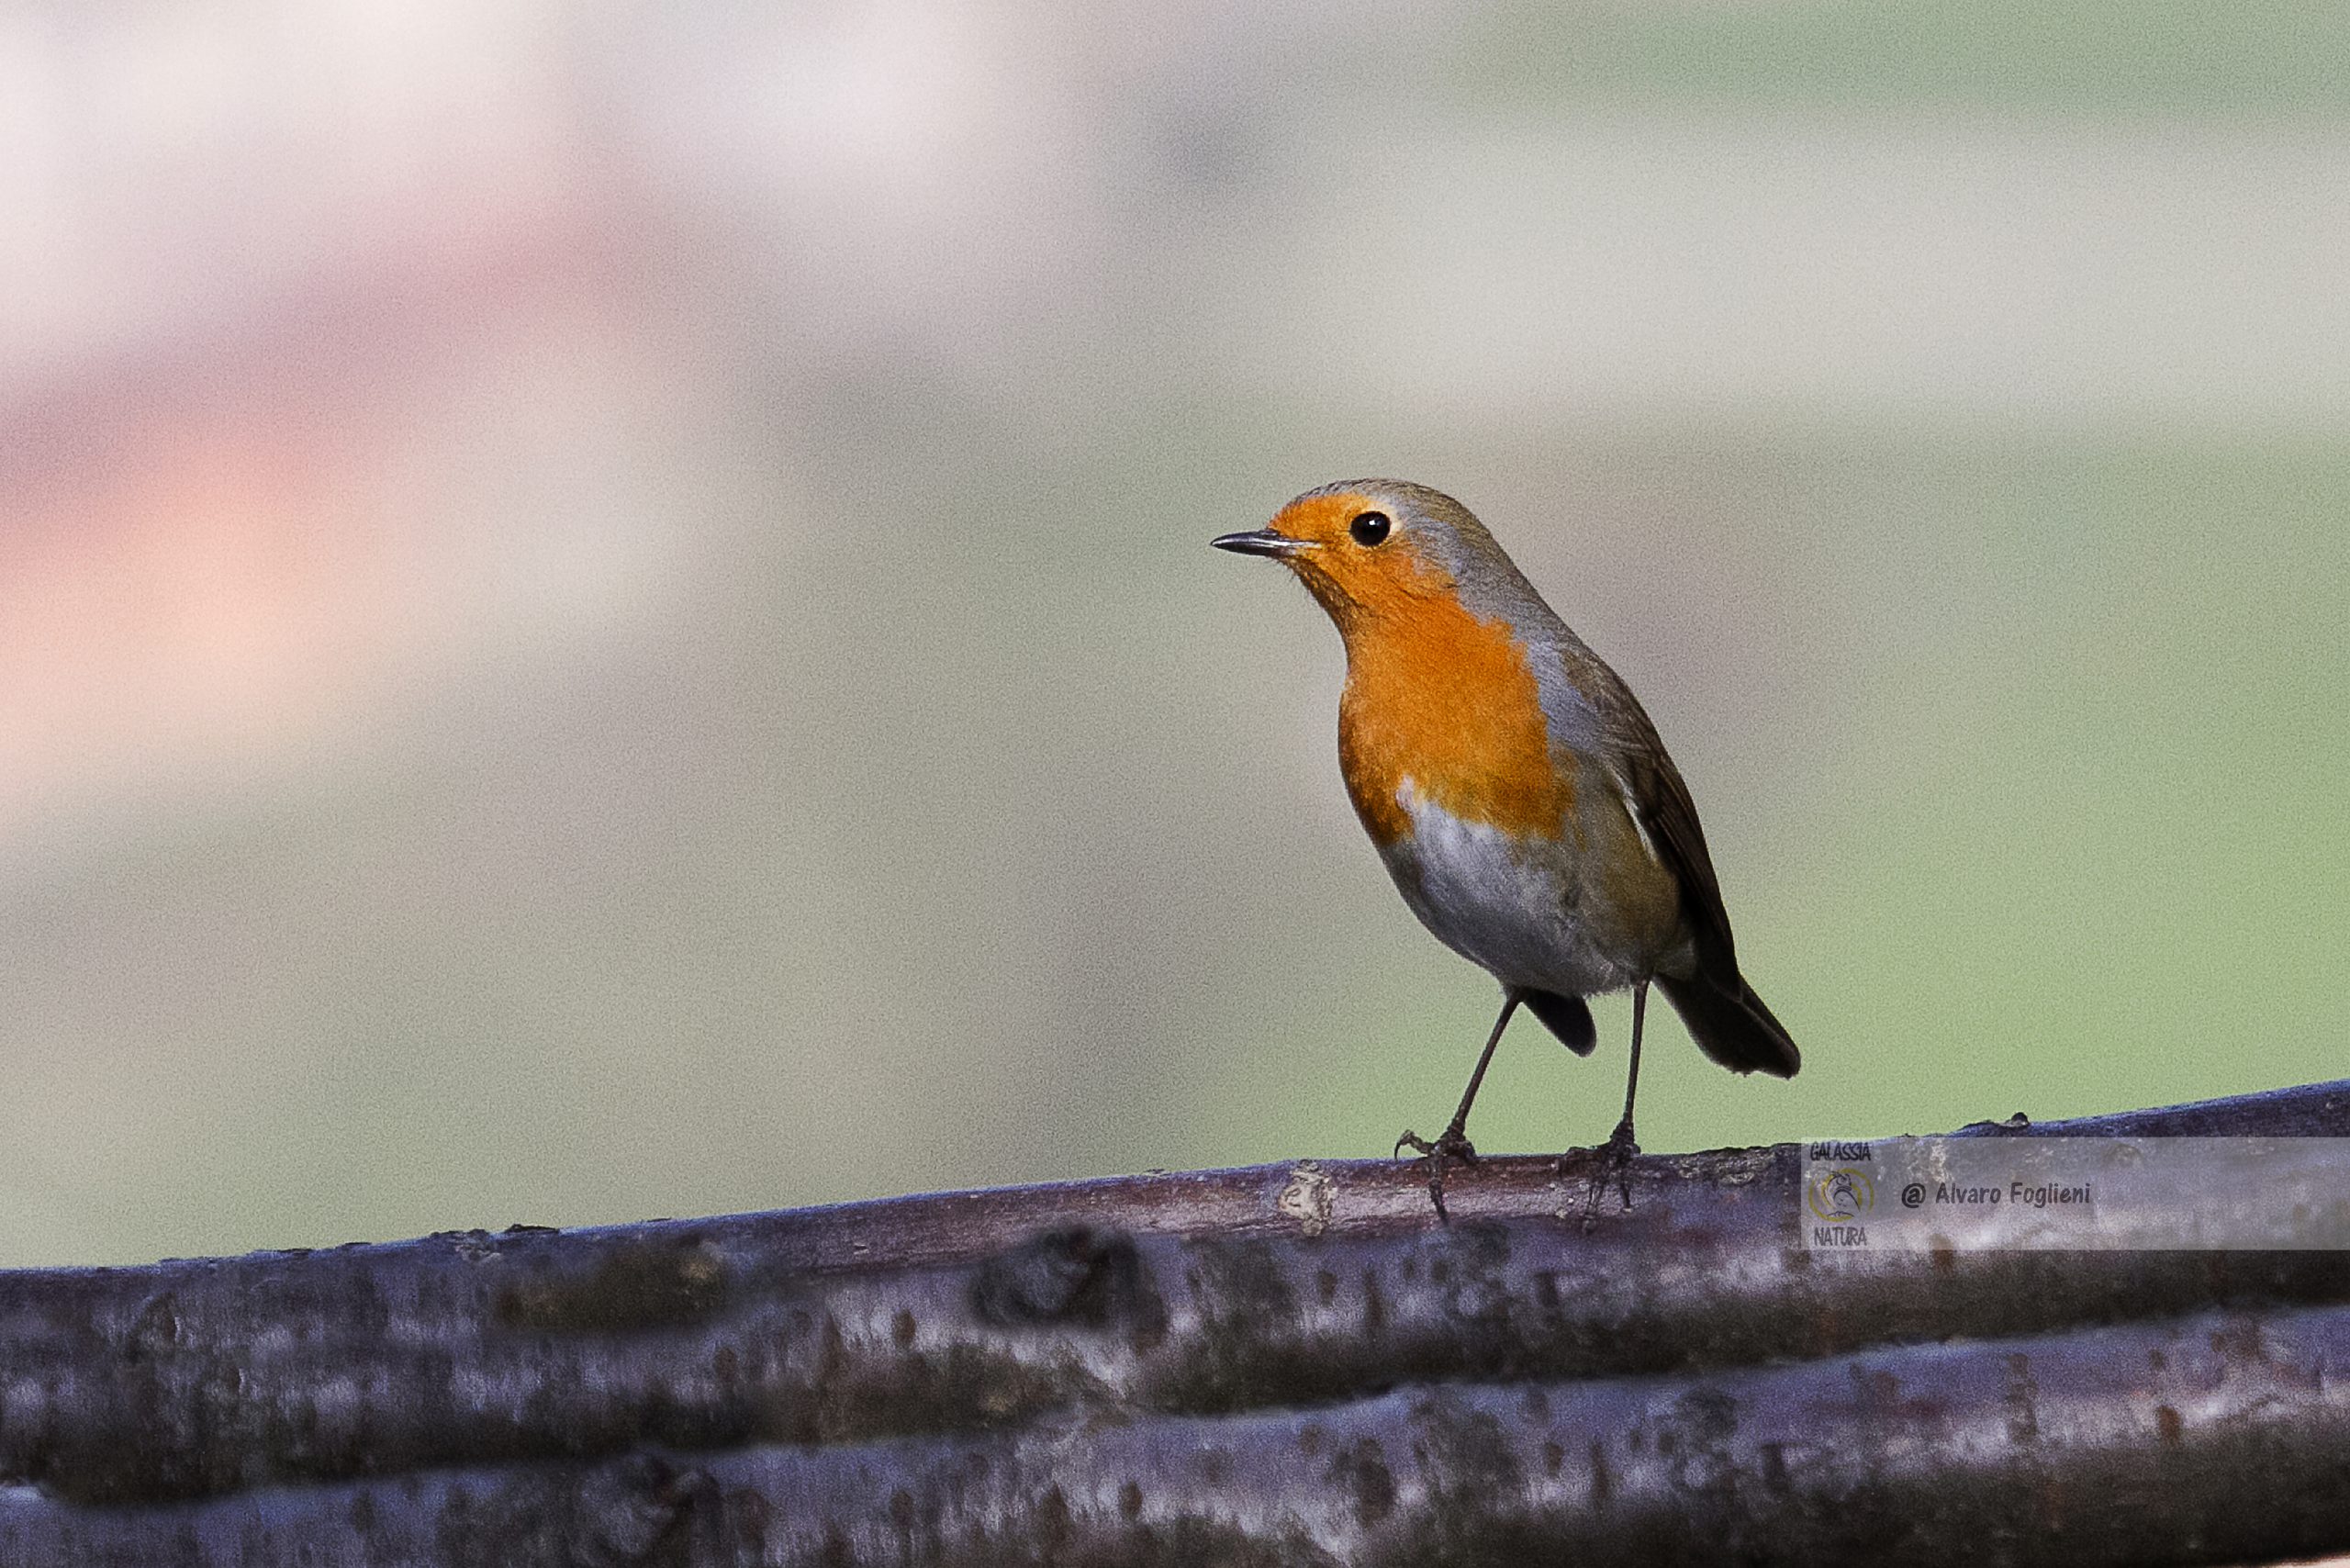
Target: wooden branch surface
(1289, 1364)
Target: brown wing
(1724, 1016)
(1660, 805)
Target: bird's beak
(1261, 541)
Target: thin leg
(1633, 1082)
(1454, 1144)
(1615, 1154)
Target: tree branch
(1291, 1364)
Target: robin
(1515, 790)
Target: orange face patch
(1353, 582)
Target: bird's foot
(1453, 1145)
(1614, 1158)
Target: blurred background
(605, 608)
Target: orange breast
(1450, 702)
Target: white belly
(1517, 907)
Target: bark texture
(1290, 1364)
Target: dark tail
(1732, 1026)
(1566, 1016)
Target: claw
(1454, 1145)
(1615, 1159)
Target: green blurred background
(605, 611)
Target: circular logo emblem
(1844, 1194)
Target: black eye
(1369, 528)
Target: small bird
(1515, 790)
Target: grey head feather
(1493, 589)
